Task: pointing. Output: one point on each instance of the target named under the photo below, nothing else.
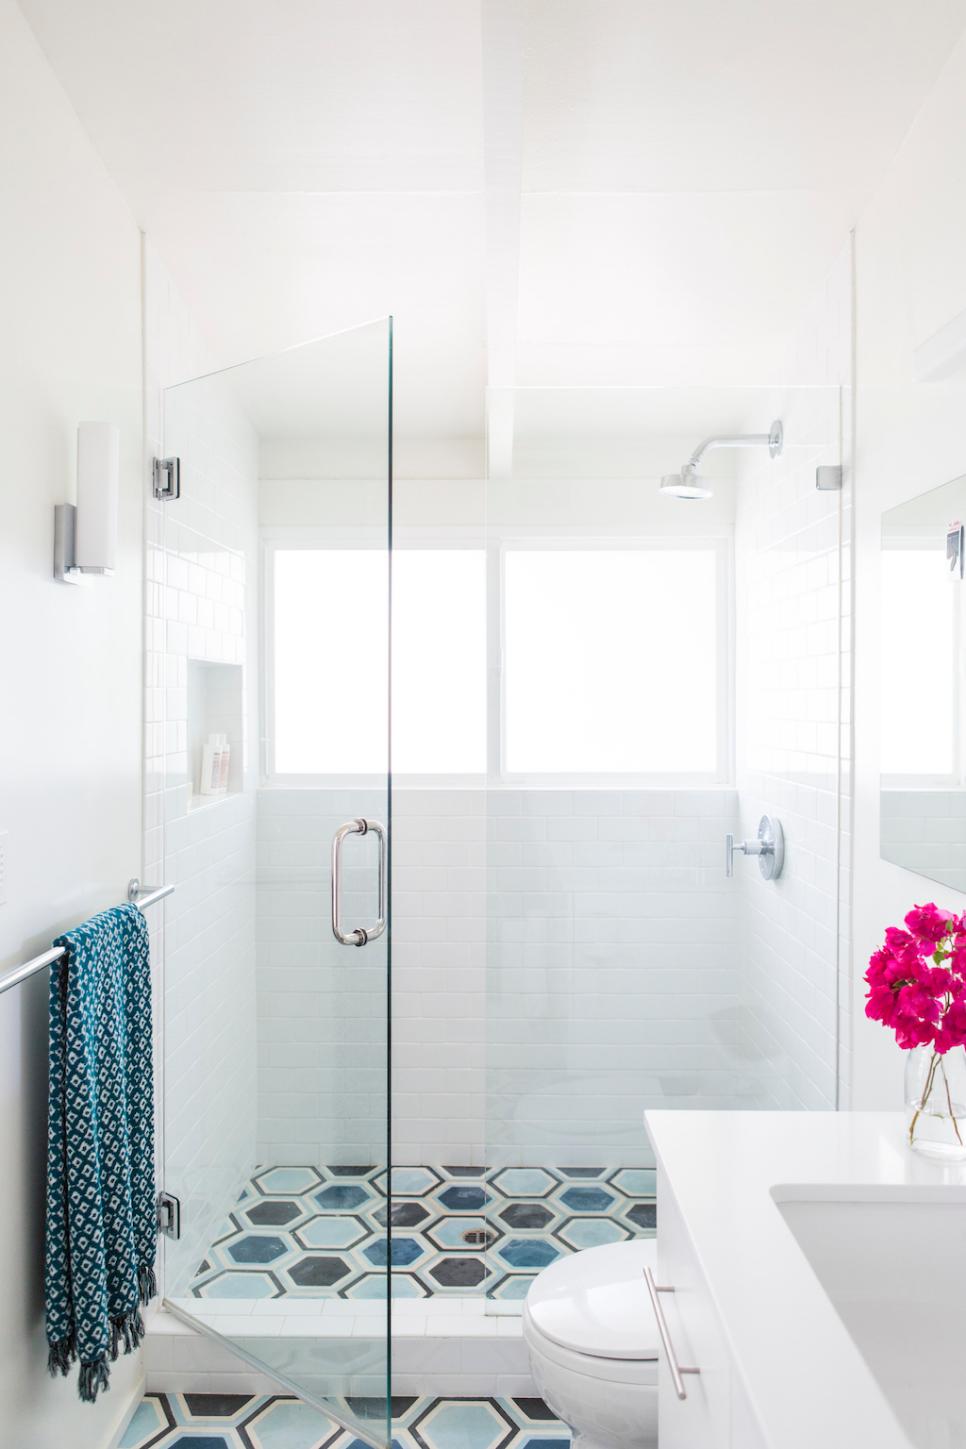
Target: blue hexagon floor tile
(235, 1421)
(321, 1232)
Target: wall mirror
(923, 749)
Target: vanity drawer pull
(676, 1369)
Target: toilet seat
(589, 1313)
(640, 1372)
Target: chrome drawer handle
(676, 1369)
(362, 935)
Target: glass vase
(936, 1103)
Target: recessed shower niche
(215, 725)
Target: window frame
(497, 547)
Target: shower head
(686, 484)
(689, 484)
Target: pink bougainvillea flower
(928, 923)
(915, 1001)
(881, 964)
(917, 980)
(938, 981)
(881, 1004)
(910, 1032)
(952, 1032)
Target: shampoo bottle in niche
(224, 764)
(210, 766)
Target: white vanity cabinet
(773, 1229)
(714, 1414)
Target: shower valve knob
(769, 846)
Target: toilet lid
(596, 1302)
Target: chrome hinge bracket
(169, 1215)
(166, 479)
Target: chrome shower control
(769, 846)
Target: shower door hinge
(166, 478)
(828, 478)
(169, 1215)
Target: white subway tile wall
(612, 980)
(200, 580)
(322, 1006)
(793, 727)
(561, 959)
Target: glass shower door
(640, 677)
(268, 803)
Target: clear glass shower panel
(663, 672)
(268, 647)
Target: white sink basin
(893, 1264)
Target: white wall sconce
(85, 534)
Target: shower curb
(452, 1348)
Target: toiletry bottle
(224, 763)
(209, 766)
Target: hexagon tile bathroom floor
(232, 1421)
(321, 1232)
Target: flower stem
(949, 1099)
(924, 1098)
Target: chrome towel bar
(675, 1369)
(135, 894)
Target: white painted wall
(911, 284)
(71, 660)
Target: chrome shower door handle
(361, 935)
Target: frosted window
(611, 661)
(918, 664)
(330, 647)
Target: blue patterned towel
(101, 1213)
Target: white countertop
(803, 1375)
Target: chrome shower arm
(772, 440)
(688, 483)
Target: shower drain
(478, 1238)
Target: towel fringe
(128, 1327)
(60, 1356)
(147, 1282)
(92, 1378)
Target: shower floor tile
(312, 1232)
(235, 1421)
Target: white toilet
(593, 1344)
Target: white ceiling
(748, 95)
(685, 172)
